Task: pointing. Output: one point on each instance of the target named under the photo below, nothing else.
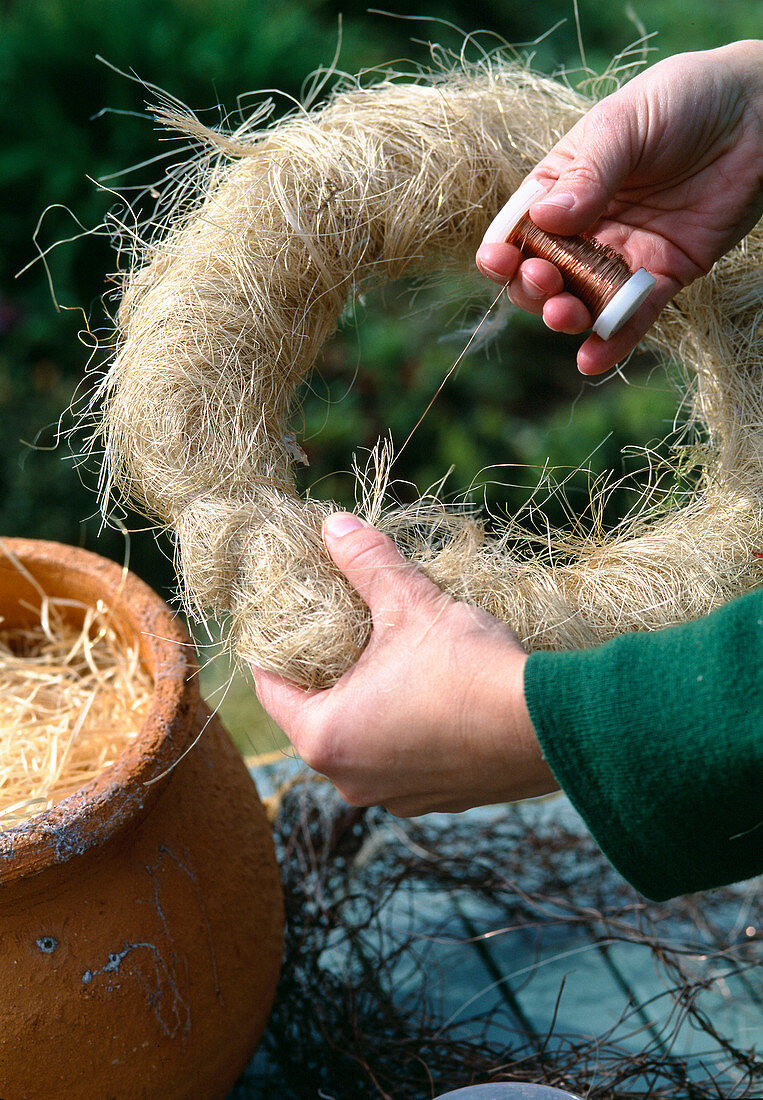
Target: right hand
(668, 170)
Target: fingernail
(531, 289)
(339, 524)
(563, 200)
(490, 272)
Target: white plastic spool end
(507, 217)
(624, 304)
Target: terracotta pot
(141, 919)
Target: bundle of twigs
(371, 900)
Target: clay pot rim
(127, 788)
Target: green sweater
(657, 739)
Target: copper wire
(592, 271)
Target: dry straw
(72, 697)
(228, 308)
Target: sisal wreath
(224, 315)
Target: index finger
(285, 702)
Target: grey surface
(508, 1091)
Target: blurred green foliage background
(71, 125)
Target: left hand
(432, 716)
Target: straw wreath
(225, 313)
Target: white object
(511, 1090)
(625, 302)
(507, 217)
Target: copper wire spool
(591, 271)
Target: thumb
(374, 566)
(584, 172)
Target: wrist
(539, 779)
(518, 756)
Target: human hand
(432, 716)
(668, 171)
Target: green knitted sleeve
(657, 739)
